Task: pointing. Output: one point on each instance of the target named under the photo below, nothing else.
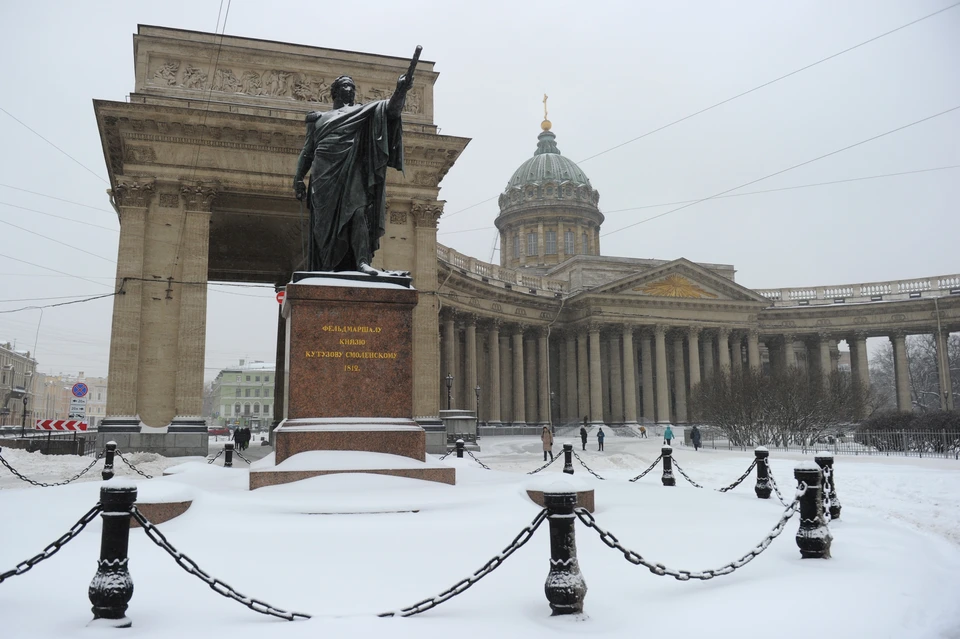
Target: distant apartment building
(54, 393)
(244, 395)
(17, 372)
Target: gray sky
(613, 71)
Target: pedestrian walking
(696, 438)
(583, 433)
(547, 438)
(600, 437)
(667, 435)
(643, 432)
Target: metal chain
(589, 470)
(686, 575)
(825, 491)
(736, 483)
(240, 455)
(652, 466)
(59, 483)
(534, 472)
(216, 457)
(773, 481)
(477, 460)
(518, 542)
(218, 586)
(442, 457)
(685, 475)
(132, 467)
(52, 549)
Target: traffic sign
(280, 296)
(80, 389)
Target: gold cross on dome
(545, 107)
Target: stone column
(616, 380)
(753, 350)
(426, 356)
(901, 370)
(629, 378)
(708, 369)
(596, 393)
(663, 385)
(788, 353)
(646, 375)
(519, 399)
(570, 375)
(693, 353)
(736, 352)
(605, 376)
(493, 374)
(506, 381)
(132, 199)
(449, 356)
(470, 365)
(826, 368)
(723, 350)
(541, 242)
(940, 340)
(583, 375)
(859, 365)
(530, 380)
(543, 375)
(679, 380)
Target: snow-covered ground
(895, 569)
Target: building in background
(243, 395)
(17, 372)
(54, 393)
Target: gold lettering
(352, 368)
(350, 329)
(369, 355)
(352, 342)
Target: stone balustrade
(864, 292)
(499, 276)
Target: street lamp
(477, 391)
(449, 388)
(553, 427)
(23, 422)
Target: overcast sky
(613, 70)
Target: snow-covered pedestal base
(313, 463)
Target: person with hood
(643, 431)
(547, 438)
(600, 437)
(667, 435)
(696, 438)
(583, 433)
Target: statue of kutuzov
(347, 151)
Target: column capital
(135, 192)
(753, 333)
(694, 331)
(493, 324)
(660, 330)
(426, 213)
(627, 329)
(724, 332)
(898, 334)
(518, 329)
(199, 196)
(595, 327)
(825, 335)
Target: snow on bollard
(568, 458)
(111, 450)
(228, 455)
(813, 536)
(763, 473)
(829, 493)
(668, 479)
(112, 588)
(460, 448)
(565, 587)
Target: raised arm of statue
(404, 84)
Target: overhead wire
(47, 268)
(78, 162)
(59, 199)
(60, 217)
(46, 237)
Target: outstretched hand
(404, 83)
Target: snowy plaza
(345, 548)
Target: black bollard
(228, 455)
(568, 459)
(825, 462)
(813, 536)
(111, 588)
(762, 488)
(668, 479)
(460, 448)
(111, 450)
(565, 587)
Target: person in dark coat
(583, 436)
(695, 437)
(600, 437)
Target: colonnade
(624, 374)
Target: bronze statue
(347, 152)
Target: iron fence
(52, 443)
(897, 443)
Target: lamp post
(553, 427)
(477, 391)
(23, 421)
(449, 388)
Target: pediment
(680, 278)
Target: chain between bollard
(518, 542)
(442, 457)
(216, 585)
(534, 472)
(215, 457)
(736, 483)
(477, 460)
(582, 463)
(686, 575)
(773, 482)
(240, 455)
(132, 467)
(685, 475)
(40, 484)
(52, 548)
(652, 466)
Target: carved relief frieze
(140, 154)
(170, 200)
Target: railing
(497, 275)
(50, 443)
(865, 292)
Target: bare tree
(922, 364)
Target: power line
(795, 166)
(59, 199)
(31, 308)
(740, 95)
(47, 268)
(784, 188)
(75, 248)
(60, 217)
(78, 162)
(41, 299)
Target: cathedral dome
(548, 164)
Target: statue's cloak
(351, 148)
